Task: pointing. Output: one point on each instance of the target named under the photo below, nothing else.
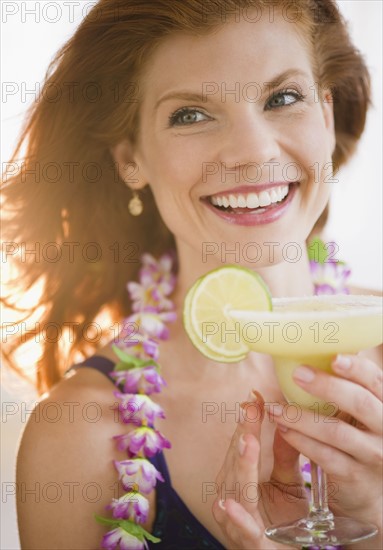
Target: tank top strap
(159, 462)
(98, 362)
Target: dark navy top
(174, 524)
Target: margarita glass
(311, 330)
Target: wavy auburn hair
(67, 192)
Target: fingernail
(253, 396)
(304, 374)
(241, 445)
(221, 504)
(242, 413)
(276, 410)
(282, 428)
(342, 362)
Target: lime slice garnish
(208, 303)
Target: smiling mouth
(245, 203)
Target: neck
(284, 278)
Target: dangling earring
(135, 205)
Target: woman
(195, 104)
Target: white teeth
(252, 200)
(274, 196)
(242, 203)
(264, 199)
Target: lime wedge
(207, 304)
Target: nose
(249, 139)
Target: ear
(328, 113)
(127, 165)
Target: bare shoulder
(65, 472)
(375, 354)
(363, 290)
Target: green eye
(283, 99)
(186, 116)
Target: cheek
(310, 149)
(174, 167)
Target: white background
(29, 42)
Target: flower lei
(136, 376)
(329, 275)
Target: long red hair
(67, 190)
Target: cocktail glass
(311, 331)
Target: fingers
(319, 432)
(333, 460)
(359, 401)
(246, 530)
(286, 468)
(361, 370)
(241, 527)
(238, 477)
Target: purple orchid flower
(330, 277)
(132, 506)
(306, 472)
(139, 380)
(138, 472)
(157, 281)
(151, 324)
(141, 346)
(138, 408)
(121, 539)
(146, 297)
(142, 440)
(159, 272)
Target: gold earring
(135, 205)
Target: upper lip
(246, 189)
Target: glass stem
(319, 510)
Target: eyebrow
(201, 97)
(279, 79)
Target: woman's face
(230, 121)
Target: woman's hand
(251, 505)
(347, 447)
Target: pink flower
(142, 440)
(137, 408)
(139, 380)
(119, 538)
(139, 472)
(132, 506)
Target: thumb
(252, 414)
